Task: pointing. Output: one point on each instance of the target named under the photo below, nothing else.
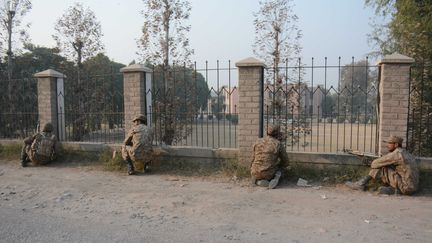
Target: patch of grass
(232, 167)
(184, 168)
(110, 163)
(327, 174)
(425, 180)
(10, 151)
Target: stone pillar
(137, 95)
(394, 97)
(250, 107)
(51, 100)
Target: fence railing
(324, 108)
(419, 139)
(195, 106)
(18, 107)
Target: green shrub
(232, 167)
(10, 151)
(111, 163)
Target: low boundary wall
(211, 156)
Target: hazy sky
(221, 29)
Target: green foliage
(178, 94)
(232, 167)
(111, 163)
(165, 32)
(10, 151)
(327, 174)
(408, 31)
(78, 33)
(425, 183)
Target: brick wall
(250, 81)
(134, 92)
(394, 96)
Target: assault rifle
(366, 158)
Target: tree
(164, 38)
(78, 37)
(357, 91)
(165, 41)
(276, 34)
(173, 109)
(78, 34)
(11, 15)
(407, 29)
(24, 118)
(276, 41)
(105, 99)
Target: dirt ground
(60, 203)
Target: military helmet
(394, 139)
(48, 127)
(140, 117)
(273, 130)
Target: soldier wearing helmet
(137, 146)
(397, 170)
(40, 148)
(269, 159)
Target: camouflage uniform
(138, 143)
(397, 169)
(40, 148)
(265, 161)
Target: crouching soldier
(397, 170)
(137, 147)
(269, 159)
(40, 148)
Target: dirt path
(69, 204)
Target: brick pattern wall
(47, 101)
(134, 96)
(394, 95)
(248, 109)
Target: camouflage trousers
(389, 176)
(263, 174)
(139, 158)
(28, 154)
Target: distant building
(225, 102)
(295, 99)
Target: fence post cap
(136, 68)
(49, 73)
(250, 62)
(396, 58)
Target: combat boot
(275, 181)
(147, 168)
(24, 160)
(130, 167)
(386, 190)
(253, 181)
(263, 183)
(360, 184)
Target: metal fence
(18, 107)
(419, 139)
(324, 108)
(93, 107)
(195, 106)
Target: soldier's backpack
(43, 145)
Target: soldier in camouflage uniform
(397, 169)
(40, 148)
(269, 159)
(138, 144)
